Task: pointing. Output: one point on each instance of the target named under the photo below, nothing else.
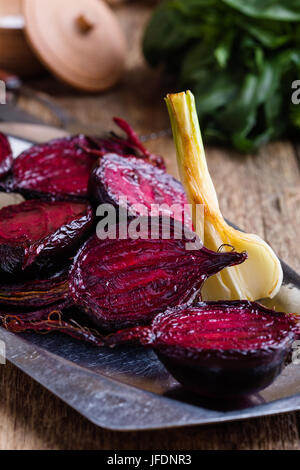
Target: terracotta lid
(80, 41)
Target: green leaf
(286, 10)
(239, 57)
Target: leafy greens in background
(239, 57)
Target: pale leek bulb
(260, 276)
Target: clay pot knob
(84, 23)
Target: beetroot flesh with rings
(219, 349)
(6, 156)
(143, 185)
(59, 169)
(224, 349)
(37, 235)
(124, 282)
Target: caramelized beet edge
(143, 185)
(124, 282)
(6, 156)
(37, 235)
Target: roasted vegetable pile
(141, 279)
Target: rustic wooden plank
(259, 193)
(32, 418)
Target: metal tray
(127, 388)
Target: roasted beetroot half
(36, 235)
(215, 349)
(138, 188)
(6, 157)
(131, 146)
(122, 282)
(57, 170)
(220, 349)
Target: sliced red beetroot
(59, 169)
(34, 294)
(147, 189)
(223, 348)
(123, 282)
(130, 146)
(6, 157)
(37, 234)
(219, 349)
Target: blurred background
(239, 58)
(47, 46)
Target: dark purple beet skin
(220, 349)
(6, 157)
(120, 283)
(56, 170)
(142, 183)
(36, 236)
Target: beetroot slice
(36, 234)
(223, 348)
(131, 146)
(34, 294)
(126, 282)
(145, 187)
(58, 170)
(6, 156)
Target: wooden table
(260, 193)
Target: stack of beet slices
(60, 169)
(141, 279)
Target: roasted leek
(260, 276)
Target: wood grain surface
(259, 193)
